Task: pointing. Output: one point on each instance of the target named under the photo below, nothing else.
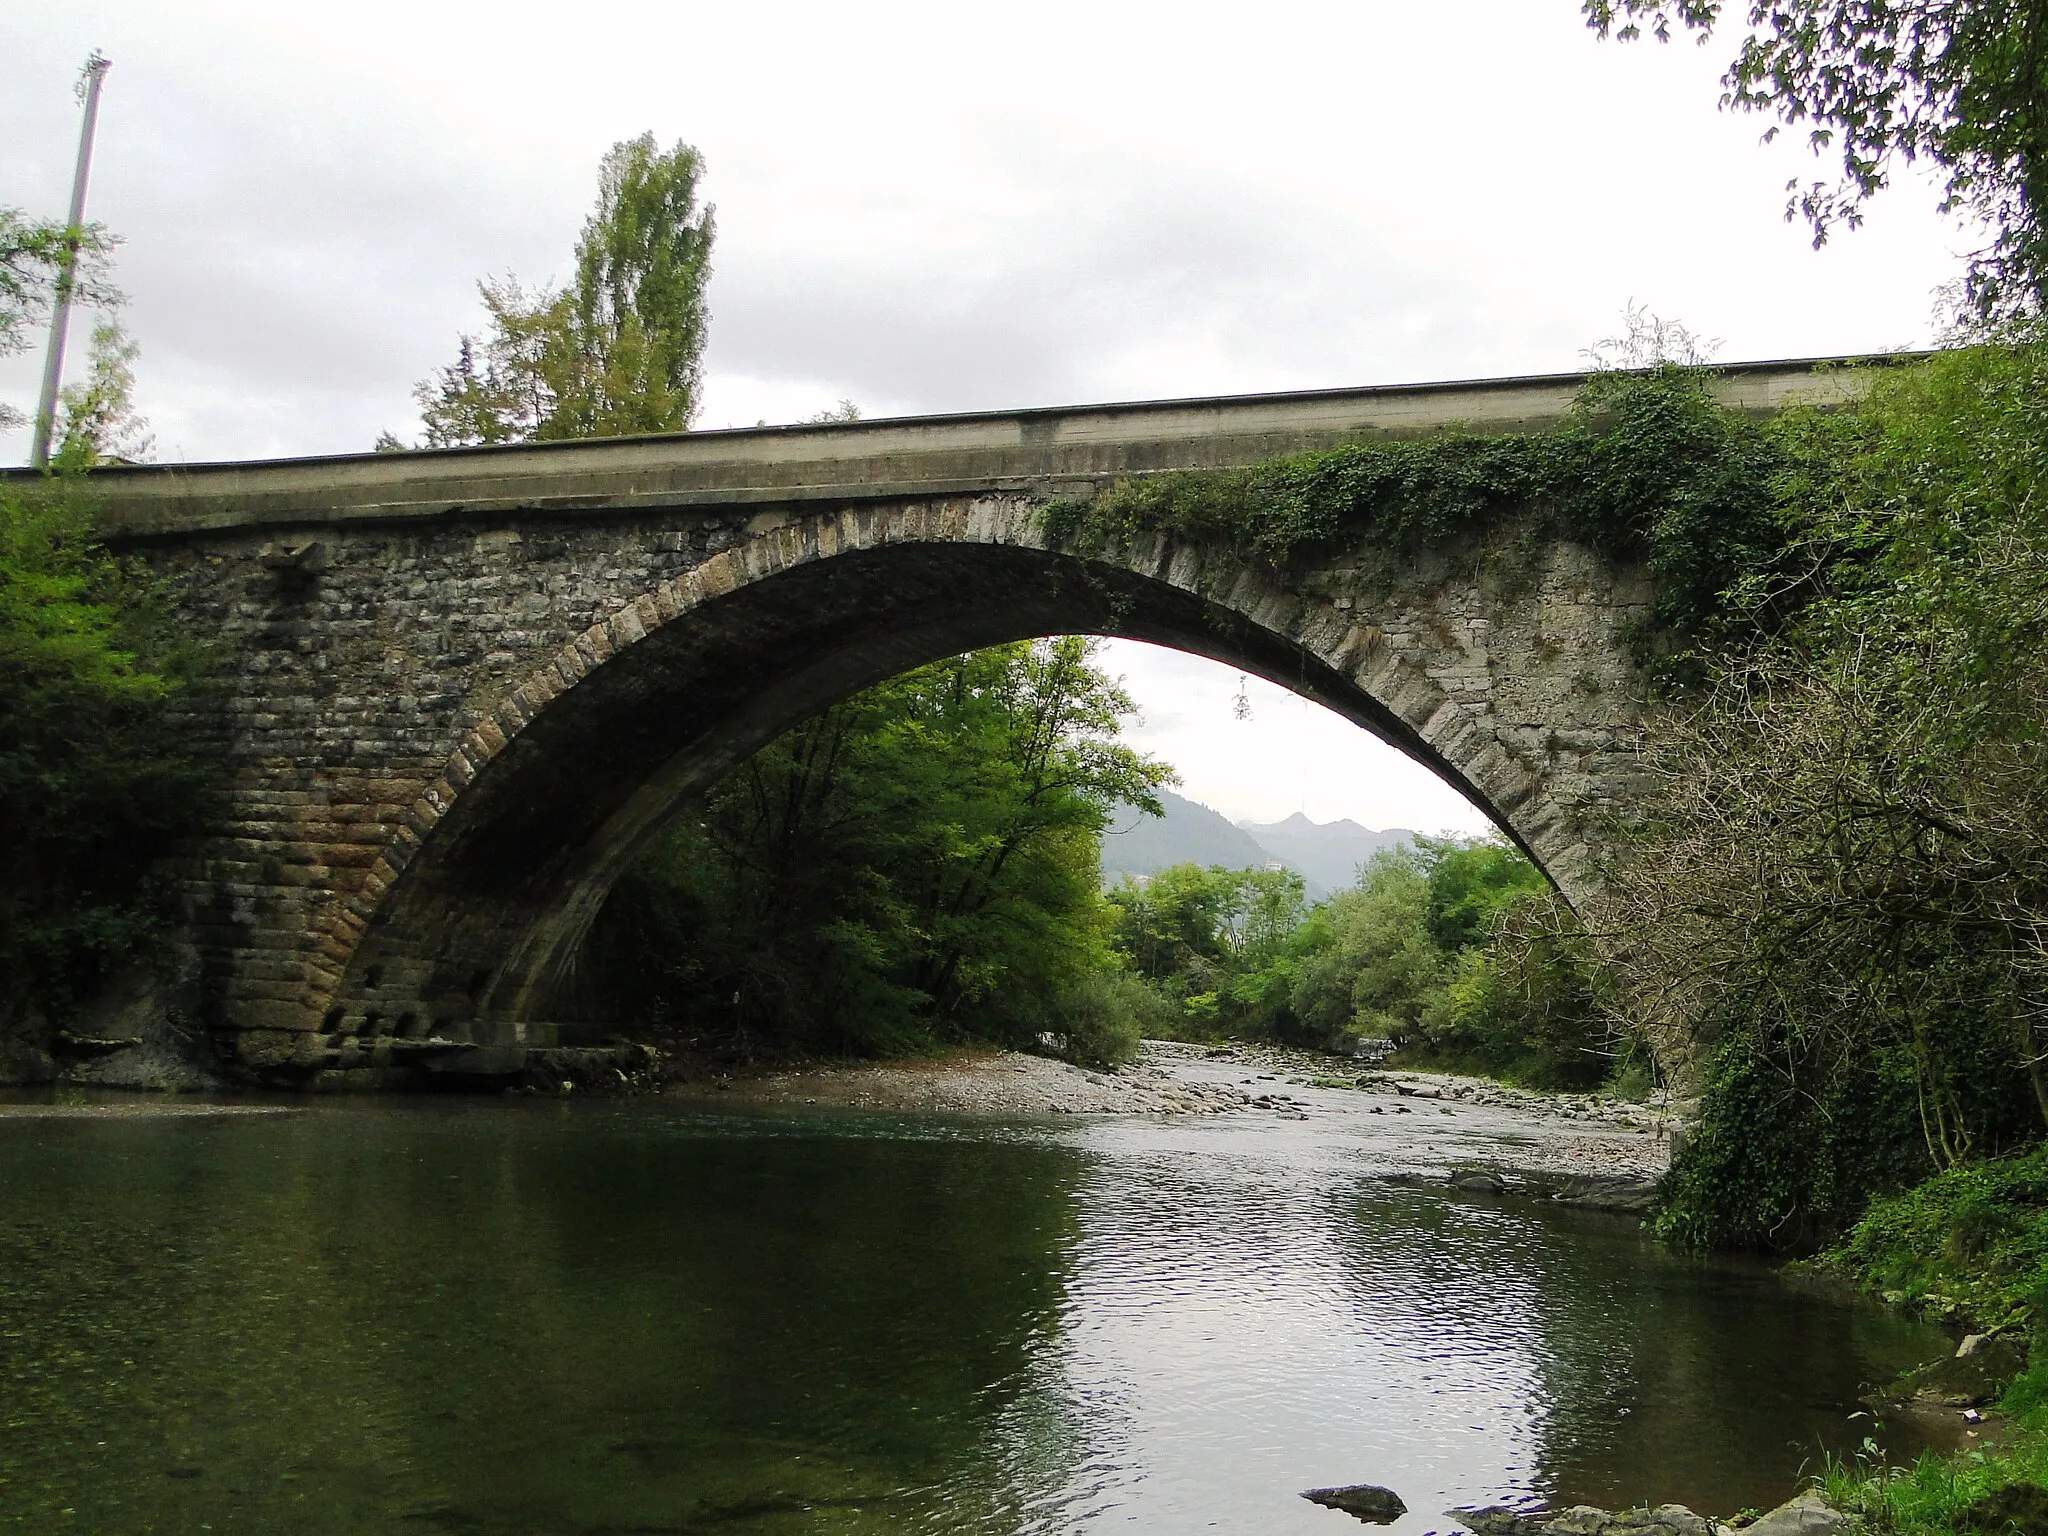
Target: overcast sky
(942, 208)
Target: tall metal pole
(60, 319)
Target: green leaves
(93, 786)
(918, 862)
(32, 257)
(1648, 465)
(1958, 83)
(1456, 950)
(1845, 881)
(617, 353)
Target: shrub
(1105, 1014)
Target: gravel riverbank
(1454, 1122)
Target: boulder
(1366, 1501)
(1584, 1520)
(1477, 1181)
(1807, 1515)
(1498, 1520)
(1959, 1380)
(1627, 1194)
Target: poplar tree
(617, 352)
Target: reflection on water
(605, 1318)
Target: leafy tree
(1960, 83)
(1456, 950)
(1172, 922)
(1844, 884)
(1529, 1000)
(1364, 963)
(1207, 938)
(95, 786)
(97, 419)
(32, 259)
(916, 863)
(1470, 885)
(617, 352)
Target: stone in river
(1376, 1506)
(1807, 1515)
(1959, 1380)
(1497, 1520)
(1477, 1181)
(1585, 1520)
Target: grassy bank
(1969, 1246)
(1981, 1491)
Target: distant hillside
(1187, 834)
(1325, 854)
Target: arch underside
(477, 935)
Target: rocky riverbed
(1488, 1137)
(976, 1081)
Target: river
(636, 1316)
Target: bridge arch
(1517, 688)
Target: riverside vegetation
(1843, 888)
(97, 784)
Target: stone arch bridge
(466, 685)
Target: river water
(631, 1316)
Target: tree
(1843, 884)
(1171, 923)
(1363, 964)
(1470, 885)
(915, 863)
(97, 419)
(1960, 83)
(95, 783)
(32, 257)
(617, 352)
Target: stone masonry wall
(376, 673)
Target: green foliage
(1976, 1236)
(1846, 879)
(641, 269)
(1956, 83)
(97, 421)
(1205, 939)
(618, 352)
(1526, 1000)
(1458, 951)
(1104, 1014)
(1789, 1142)
(1172, 921)
(918, 863)
(1364, 965)
(1470, 885)
(1648, 465)
(1967, 1492)
(33, 254)
(95, 786)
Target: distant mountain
(1326, 854)
(1187, 834)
